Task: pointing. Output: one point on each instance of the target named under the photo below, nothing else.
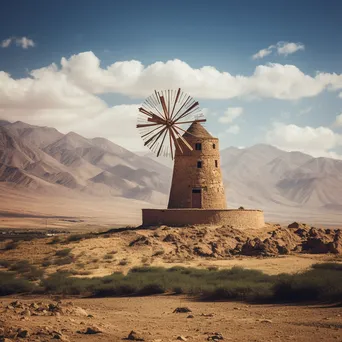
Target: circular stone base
(238, 218)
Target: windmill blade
(156, 140)
(187, 111)
(192, 121)
(175, 102)
(184, 104)
(161, 145)
(150, 132)
(160, 118)
(175, 140)
(147, 125)
(156, 136)
(171, 142)
(182, 139)
(162, 100)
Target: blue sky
(221, 34)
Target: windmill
(161, 118)
(197, 194)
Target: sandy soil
(154, 320)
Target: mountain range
(42, 160)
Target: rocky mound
(23, 311)
(226, 241)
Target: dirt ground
(153, 319)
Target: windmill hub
(197, 194)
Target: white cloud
(285, 48)
(131, 78)
(230, 114)
(338, 121)
(6, 42)
(340, 95)
(263, 52)
(234, 129)
(282, 48)
(22, 42)
(66, 96)
(319, 141)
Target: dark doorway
(196, 201)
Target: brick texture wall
(187, 176)
(241, 219)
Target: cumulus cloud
(231, 114)
(66, 96)
(263, 52)
(22, 42)
(234, 129)
(319, 141)
(133, 79)
(282, 48)
(6, 42)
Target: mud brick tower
(197, 180)
(197, 194)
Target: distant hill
(261, 176)
(95, 166)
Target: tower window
(199, 164)
(214, 146)
(198, 146)
(216, 163)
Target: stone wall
(186, 175)
(241, 219)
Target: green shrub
(108, 256)
(27, 270)
(63, 252)
(69, 259)
(11, 245)
(79, 237)
(9, 284)
(123, 262)
(328, 266)
(21, 266)
(5, 263)
(55, 240)
(320, 284)
(47, 262)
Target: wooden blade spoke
(174, 104)
(175, 140)
(187, 111)
(147, 125)
(144, 111)
(162, 143)
(157, 135)
(150, 132)
(191, 121)
(162, 100)
(171, 146)
(183, 140)
(184, 104)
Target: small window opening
(216, 163)
(198, 146)
(214, 146)
(196, 191)
(199, 164)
